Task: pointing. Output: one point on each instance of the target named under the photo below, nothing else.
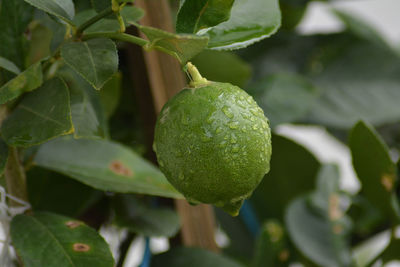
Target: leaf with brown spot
(106, 166)
(48, 239)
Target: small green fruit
(213, 143)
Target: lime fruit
(213, 143)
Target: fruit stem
(195, 76)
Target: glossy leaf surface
(107, 166)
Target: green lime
(213, 143)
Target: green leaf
(107, 166)
(361, 28)
(50, 191)
(40, 42)
(40, 116)
(272, 246)
(250, 21)
(292, 12)
(26, 81)
(223, 66)
(293, 172)
(47, 239)
(181, 46)
(375, 169)
(284, 97)
(241, 241)
(95, 60)
(392, 251)
(3, 156)
(196, 15)
(63, 9)
(131, 14)
(110, 94)
(353, 87)
(8, 65)
(141, 219)
(314, 236)
(194, 257)
(15, 16)
(100, 5)
(87, 113)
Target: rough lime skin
(213, 143)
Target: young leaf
(284, 97)
(95, 60)
(196, 15)
(144, 220)
(314, 236)
(40, 116)
(194, 257)
(8, 65)
(182, 46)
(375, 169)
(47, 239)
(63, 9)
(107, 166)
(250, 21)
(293, 172)
(26, 81)
(15, 16)
(87, 113)
(131, 14)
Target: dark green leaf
(241, 241)
(292, 12)
(271, 247)
(196, 15)
(100, 5)
(15, 16)
(106, 166)
(3, 156)
(293, 172)
(95, 60)
(141, 219)
(40, 116)
(63, 9)
(284, 97)
(26, 81)
(181, 46)
(8, 65)
(86, 110)
(110, 94)
(353, 86)
(194, 257)
(223, 66)
(53, 192)
(250, 21)
(314, 236)
(47, 239)
(375, 169)
(392, 251)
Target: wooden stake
(166, 79)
